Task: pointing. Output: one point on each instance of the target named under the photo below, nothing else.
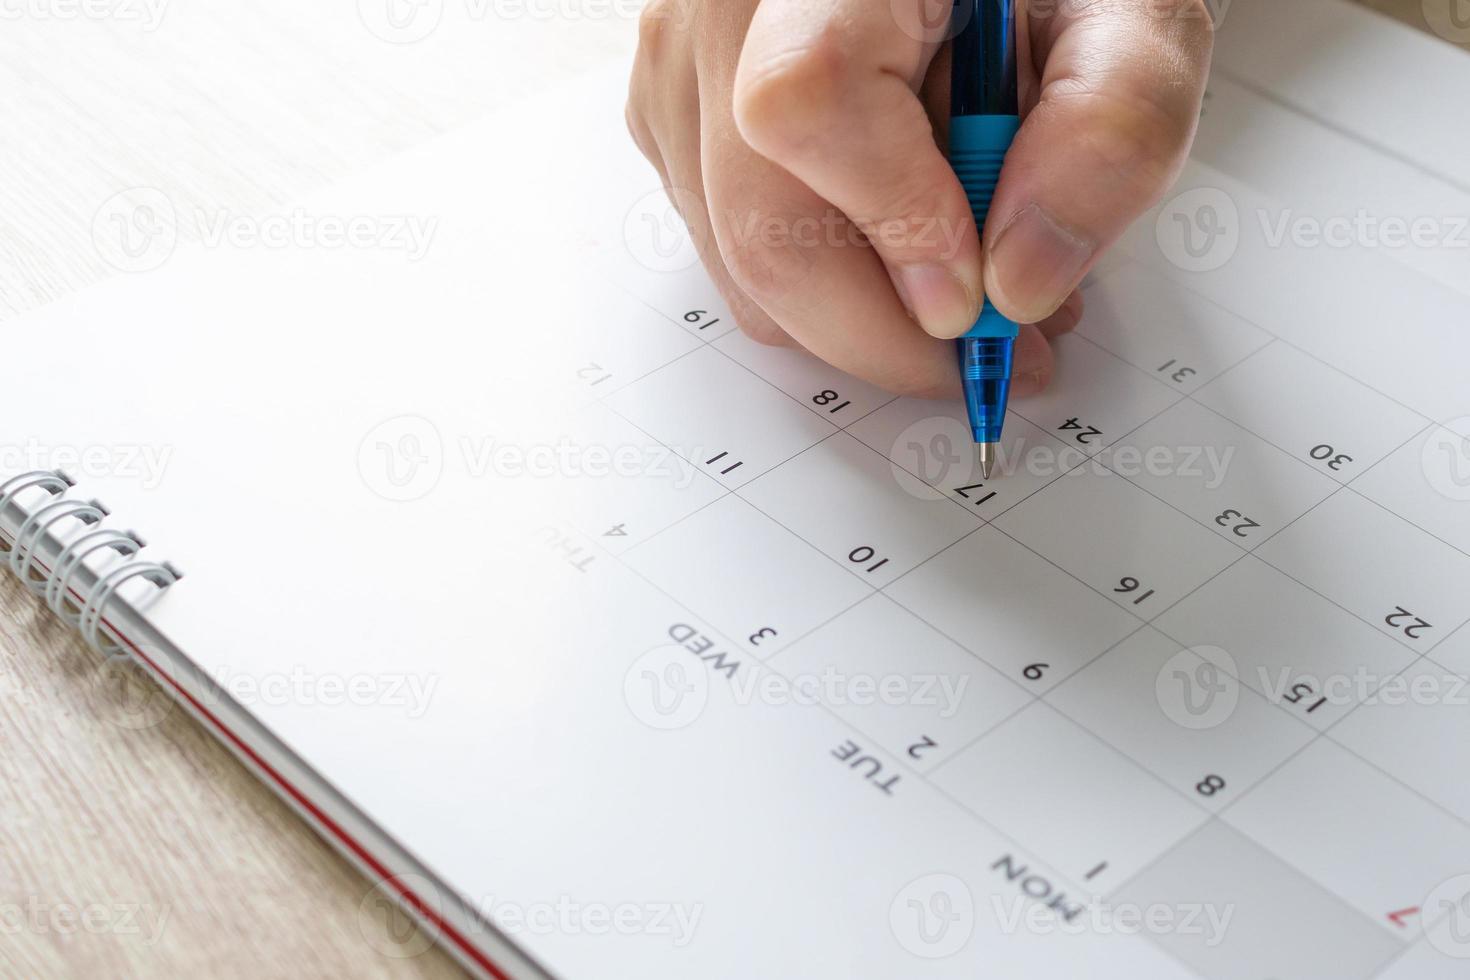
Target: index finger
(829, 93)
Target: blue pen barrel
(977, 150)
(978, 146)
(985, 371)
(985, 117)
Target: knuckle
(654, 26)
(1141, 136)
(786, 100)
(762, 329)
(1194, 20)
(769, 267)
(921, 383)
(638, 129)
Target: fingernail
(1034, 265)
(938, 298)
(1028, 384)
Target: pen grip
(977, 151)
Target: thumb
(828, 92)
(1120, 97)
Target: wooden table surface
(135, 846)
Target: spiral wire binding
(58, 585)
(23, 555)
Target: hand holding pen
(804, 144)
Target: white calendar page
(681, 656)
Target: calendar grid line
(1182, 395)
(601, 397)
(1391, 512)
(1348, 484)
(1385, 149)
(1317, 735)
(654, 309)
(1031, 698)
(1182, 284)
(1083, 462)
(767, 664)
(1326, 732)
(1290, 577)
(724, 491)
(1253, 551)
(841, 428)
(1219, 816)
(728, 492)
(1462, 628)
(1144, 621)
(1206, 825)
(1150, 271)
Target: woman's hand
(801, 135)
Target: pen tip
(988, 452)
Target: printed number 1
(824, 398)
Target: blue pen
(984, 117)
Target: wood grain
(135, 845)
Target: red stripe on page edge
(404, 893)
(332, 827)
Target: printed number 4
(1086, 434)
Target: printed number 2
(1237, 522)
(1413, 630)
(1086, 434)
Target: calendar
(1197, 653)
(734, 665)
